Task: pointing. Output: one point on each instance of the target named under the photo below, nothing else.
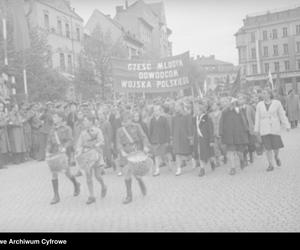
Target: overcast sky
(203, 27)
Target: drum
(140, 163)
(88, 159)
(58, 162)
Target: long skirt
(16, 139)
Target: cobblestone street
(253, 200)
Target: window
(59, 27)
(285, 32)
(46, 20)
(298, 29)
(275, 50)
(274, 34)
(266, 52)
(67, 30)
(252, 37)
(265, 35)
(253, 53)
(254, 69)
(287, 65)
(298, 47)
(267, 67)
(285, 48)
(298, 63)
(78, 33)
(70, 66)
(62, 61)
(276, 66)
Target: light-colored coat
(270, 121)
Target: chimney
(119, 9)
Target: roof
(63, 6)
(127, 34)
(158, 9)
(210, 61)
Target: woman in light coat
(269, 118)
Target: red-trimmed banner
(168, 74)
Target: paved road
(253, 200)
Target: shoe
(270, 168)
(232, 171)
(127, 200)
(202, 172)
(91, 200)
(77, 189)
(156, 173)
(55, 200)
(278, 162)
(178, 172)
(103, 192)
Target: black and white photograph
(149, 116)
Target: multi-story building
(271, 42)
(217, 72)
(117, 33)
(148, 23)
(64, 30)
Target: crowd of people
(203, 133)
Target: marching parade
(189, 142)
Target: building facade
(117, 33)
(148, 24)
(270, 42)
(64, 31)
(217, 72)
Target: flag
(270, 80)
(20, 26)
(236, 85)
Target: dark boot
(270, 168)
(76, 186)
(202, 172)
(142, 186)
(213, 165)
(128, 198)
(56, 198)
(103, 191)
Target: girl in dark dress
(204, 136)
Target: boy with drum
(90, 145)
(60, 145)
(131, 139)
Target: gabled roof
(63, 6)
(127, 35)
